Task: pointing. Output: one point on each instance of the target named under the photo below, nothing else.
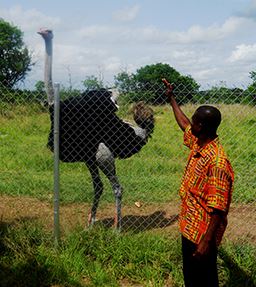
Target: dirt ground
(137, 216)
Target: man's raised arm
(180, 117)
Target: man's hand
(169, 90)
(180, 117)
(209, 240)
(203, 249)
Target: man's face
(196, 126)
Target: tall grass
(96, 257)
(103, 257)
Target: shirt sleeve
(219, 189)
(188, 139)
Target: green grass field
(153, 175)
(99, 256)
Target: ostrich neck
(48, 71)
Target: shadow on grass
(20, 261)
(138, 223)
(238, 277)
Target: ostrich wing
(88, 120)
(121, 138)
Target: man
(205, 193)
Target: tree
(93, 83)
(40, 87)
(125, 82)
(147, 84)
(251, 89)
(221, 94)
(15, 59)
(253, 76)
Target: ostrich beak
(44, 32)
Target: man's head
(205, 121)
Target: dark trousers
(199, 272)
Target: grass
(153, 175)
(103, 257)
(96, 257)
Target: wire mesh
(121, 160)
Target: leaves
(146, 84)
(15, 58)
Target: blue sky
(213, 41)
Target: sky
(212, 41)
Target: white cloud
(197, 34)
(153, 35)
(94, 32)
(69, 54)
(28, 20)
(126, 14)
(112, 64)
(205, 73)
(119, 35)
(243, 53)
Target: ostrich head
(46, 34)
(143, 115)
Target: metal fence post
(56, 163)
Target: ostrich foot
(91, 220)
(117, 223)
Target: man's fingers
(167, 84)
(165, 81)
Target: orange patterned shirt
(207, 184)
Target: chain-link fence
(119, 157)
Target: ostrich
(91, 132)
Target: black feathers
(88, 120)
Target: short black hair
(209, 117)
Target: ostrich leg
(106, 163)
(98, 189)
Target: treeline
(150, 93)
(146, 84)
